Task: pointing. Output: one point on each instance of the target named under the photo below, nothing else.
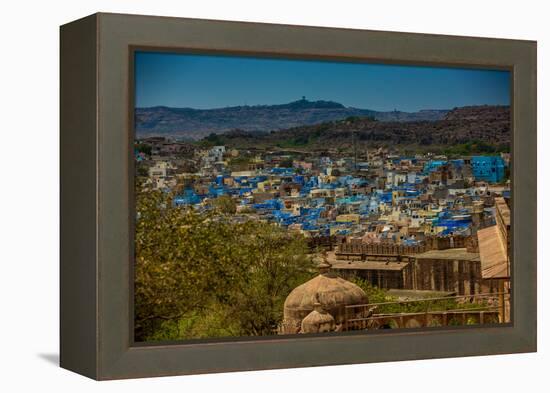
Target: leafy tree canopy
(206, 275)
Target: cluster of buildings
(384, 198)
(404, 223)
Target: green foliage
(239, 163)
(374, 294)
(476, 147)
(211, 140)
(141, 170)
(213, 321)
(202, 275)
(435, 322)
(491, 319)
(144, 148)
(377, 295)
(286, 163)
(352, 119)
(454, 321)
(225, 204)
(298, 141)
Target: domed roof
(317, 321)
(330, 290)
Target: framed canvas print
(241, 196)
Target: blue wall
(488, 168)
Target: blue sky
(206, 81)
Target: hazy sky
(205, 81)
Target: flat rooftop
(453, 254)
(368, 265)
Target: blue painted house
(488, 168)
(189, 197)
(433, 165)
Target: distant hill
(479, 113)
(197, 123)
(483, 129)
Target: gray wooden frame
(96, 183)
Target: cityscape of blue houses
(386, 196)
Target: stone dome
(332, 292)
(318, 321)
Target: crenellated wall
(373, 251)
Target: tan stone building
(448, 264)
(494, 253)
(319, 304)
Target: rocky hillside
(480, 113)
(197, 123)
(472, 129)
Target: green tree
(225, 204)
(144, 148)
(239, 163)
(170, 246)
(203, 275)
(141, 170)
(286, 163)
(211, 139)
(274, 263)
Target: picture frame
(96, 258)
